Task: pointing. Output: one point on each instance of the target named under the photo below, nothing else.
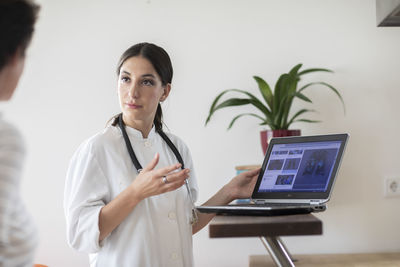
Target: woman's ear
(167, 89)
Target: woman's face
(140, 90)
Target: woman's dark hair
(17, 20)
(161, 62)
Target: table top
(247, 226)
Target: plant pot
(266, 136)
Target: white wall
(68, 92)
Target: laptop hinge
(315, 202)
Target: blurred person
(18, 235)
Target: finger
(177, 176)
(173, 179)
(167, 170)
(252, 172)
(153, 163)
(170, 186)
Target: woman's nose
(133, 91)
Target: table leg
(278, 251)
(286, 249)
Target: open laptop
(297, 176)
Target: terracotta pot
(266, 136)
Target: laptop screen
(303, 166)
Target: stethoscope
(138, 166)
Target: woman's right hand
(150, 182)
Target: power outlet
(392, 187)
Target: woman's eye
(125, 79)
(148, 82)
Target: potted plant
(274, 106)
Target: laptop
(296, 177)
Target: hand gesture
(152, 182)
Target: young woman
(125, 214)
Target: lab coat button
(147, 143)
(174, 256)
(172, 215)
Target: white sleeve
(85, 194)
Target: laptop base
(258, 211)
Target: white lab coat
(157, 232)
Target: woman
(125, 214)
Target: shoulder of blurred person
(18, 235)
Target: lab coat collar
(132, 132)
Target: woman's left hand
(243, 184)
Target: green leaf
(214, 103)
(279, 96)
(277, 89)
(295, 69)
(330, 87)
(284, 109)
(289, 93)
(241, 115)
(304, 120)
(233, 102)
(298, 113)
(302, 97)
(257, 103)
(313, 70)
(265, 91)
(240, 102)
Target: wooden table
(269, 229)
(334, 260)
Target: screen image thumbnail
(315, 169)
(292, 164)
(275, 164)
(284, 179)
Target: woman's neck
(142, 126)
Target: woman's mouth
(133, 106)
